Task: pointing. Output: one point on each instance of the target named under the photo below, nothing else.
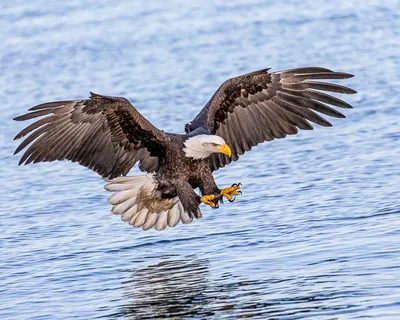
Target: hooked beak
(224, 149)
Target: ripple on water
(315, 233)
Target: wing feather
(105, 134)
(322, 97)
(309, 103)
(261, 106)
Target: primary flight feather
(109, 136)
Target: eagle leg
(231, 191)
(209, 200)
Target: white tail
(138, 201)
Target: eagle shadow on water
(108, 135)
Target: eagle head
(201, 146)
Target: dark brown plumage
(105, 134)
(261, 106)
(108, 135)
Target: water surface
(315, 234)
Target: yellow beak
(224, 149)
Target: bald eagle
(108, 135)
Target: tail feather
(127, 215)
(162, 221)
(123, 206)
(174, 216)
(150, 221)
(138, 202)
(141, 218)
(121, 197)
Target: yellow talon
(208, 200)
(231, 191)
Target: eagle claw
(236, 185)
(231, 191)
(209, 200)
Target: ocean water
(316, 233)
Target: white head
(201, 146)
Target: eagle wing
(105, 134)
(261, 106)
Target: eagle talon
(208, 200)
(231, 191)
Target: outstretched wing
(105, 134)
(261, 106)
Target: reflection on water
(182, 288)
(169, 288)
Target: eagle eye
(214, 144)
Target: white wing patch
(138, 202)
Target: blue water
(316, 233)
